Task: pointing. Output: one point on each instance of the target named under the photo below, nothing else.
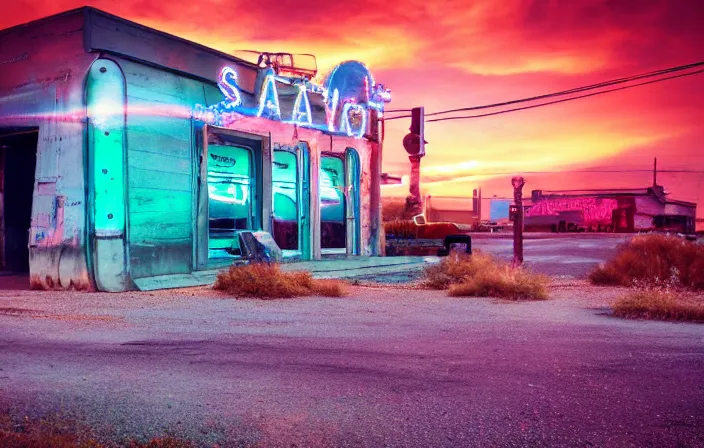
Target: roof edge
(95, 11)
(44, 19)
(89, 10)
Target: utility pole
(414, 144)
(518, 182)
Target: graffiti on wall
(594, 210)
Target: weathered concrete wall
(41, 85)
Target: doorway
(18, 161)
(340, 223)
(291, 200)
(231, 198)
(333, 204)
(352, 181)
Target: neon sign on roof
(348, 93)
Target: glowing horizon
(449, 55)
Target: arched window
(285, 197)
(332, 202)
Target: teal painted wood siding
(160, 159)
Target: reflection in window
(332, 202)
(285, 199)
(229, 197)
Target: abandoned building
(128, 154)
(616, 210)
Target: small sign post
(518, 182)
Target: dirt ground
(387, 366)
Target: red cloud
(455, 53)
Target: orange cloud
(454, 53)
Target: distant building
(499, 210)
(614, 210)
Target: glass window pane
(229, 197)
(332, 202)
(285, 199)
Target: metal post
(518, 182)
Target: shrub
(654, 260)
(455, 268)
(267, 281)
(480, 275)
(329, 288)
(657, 304)
(512, 284)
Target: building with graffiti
(616, 210)
(130, 154)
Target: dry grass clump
(57, 431)
(61, 431)
(329, 288)
(654, 260)
(163, 442)
(455, 268)
(267, 281)
(658, 305)
(480, 275)
(513, 284)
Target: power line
(578, 89)
(564, 92)
(591, 171)
(562, 100)
(512, 173)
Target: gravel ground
(388, 366)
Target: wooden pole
(414, 200)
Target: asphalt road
(565, 255)
(385, 367)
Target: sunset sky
(450, 54)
